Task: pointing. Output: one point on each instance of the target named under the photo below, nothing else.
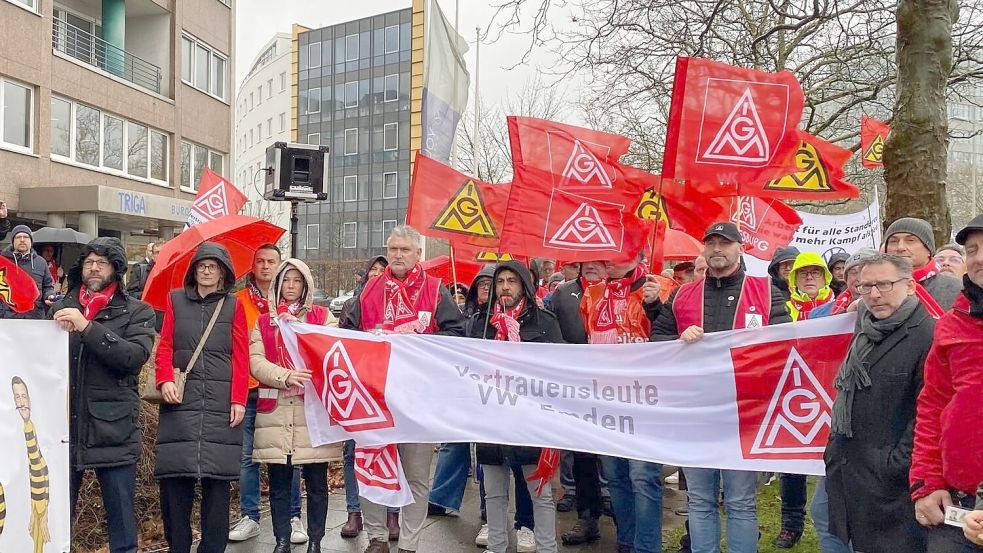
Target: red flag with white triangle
(216, 197)
(380, 476)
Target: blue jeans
(524, 516)
(828, 543)
(739, 501)
(352, 503)
(636, 498)
(118, 485)
(450, 477)
(249, 471)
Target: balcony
(82, 45)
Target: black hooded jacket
(535, 325)
(471, 300)
(838, 286)
(781, 254)
(104, 368)
(361, 283)
(194, 438)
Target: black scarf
(854, 374)
(975, 296)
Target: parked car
(322, 298)
(339, 302)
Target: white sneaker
(482, 538)
(525, 541)
(297, 533)
(244, 529)
(673, 478)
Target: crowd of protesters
(904, 444)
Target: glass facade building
(353, 95)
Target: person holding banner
(199, 437)
(512, 315)
(946, 464)
(111, 335)
(914, 240)
(869, 450)
(404, 300)
(282, 440)
(726, 299)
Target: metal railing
(92, 50)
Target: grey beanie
(22, 229)
(859, 257)
(919, 227)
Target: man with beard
(111, 335)
(404, 300)
(726, 299)
(952, 259)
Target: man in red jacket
(947, 465)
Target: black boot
(314, 546)
(584, 531)
(282, 545)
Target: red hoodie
(948, 429)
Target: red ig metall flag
(731, 125)
(766, 224)
(17, 287)
(216, 197)
(873, 135)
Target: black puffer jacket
(535, 325)
(194, 438)
(104, 369)
(781, 254)
(566, 306)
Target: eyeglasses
(98, 263)
(807, 273)
(884, 286)
(951, 260)
(207, 267)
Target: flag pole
(871, 217)
(453, 268)
(655, 231)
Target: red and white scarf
(921, 275)
(611, 305)
(399, 299)
(506, 321)
(93, 302)
(256, 295)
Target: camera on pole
(296, 172)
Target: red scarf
(843, 302)
(921, 275)
(506, 321)
(806, 307)
(399, 298)
(256, 296)
(612, 304)
(292, 308)
(93, 302)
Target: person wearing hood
(780, 268)
(512, 315)
(111, 335)
(478, 293)
(837, 268)
(914, 240)
(199, 437)
(282, 440)
(22, 253)
(808, 285)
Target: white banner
(34, 467)
(758, 399)
(831, 234)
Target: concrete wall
(149, 37)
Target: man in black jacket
(22, 253)
(726, 299)
(141, 270)
(111, 336)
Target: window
(194, 159)
(283, 81)
(390, 136)
(351, 48)
(30, 4)
(351, 94)
(259, 96)
(250, 101)
(313, 241)
(259, 133)
(392, 39)
(283, 122)
(351, 142)
(314, 139)
(314, 100)
(389, 185)
(87, 136)
(203, 67)
(349, 234)
(251, 135)
(314, 54)
(17, 115)
(387, 228)
(269, 88)
(392, 88)
(350, 191)
(61, 127)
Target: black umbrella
(51, 235)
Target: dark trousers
(793, 492)
(949, 539)
(588, 483)
(177, 497)
(316, 479)
(118, 485)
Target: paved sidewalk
(447, 534)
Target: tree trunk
(915, 154)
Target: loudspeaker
(296, 172)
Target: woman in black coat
(199, 437)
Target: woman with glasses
(199, 438)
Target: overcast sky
(258, 20)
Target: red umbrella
(241, 235)
(679, 245)
(440, 267)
